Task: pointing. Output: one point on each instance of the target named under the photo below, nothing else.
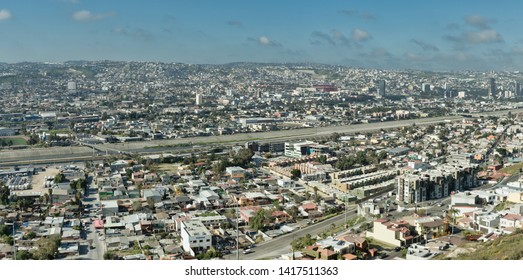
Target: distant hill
(508, 247)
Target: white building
(196, 238)
(465, 198)
(109, 208)
(199, 99)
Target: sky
(438, 35)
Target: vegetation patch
(12, 141)
(513, 169)
(508, 247)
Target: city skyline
(371, 34)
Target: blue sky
(438, 35)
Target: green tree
(4, 195)
(295, 174)
(30, 235)
(137, 206)
(59, 178)
(47, 248)
(293, 212)
(110, 255)
(4, 230)
(24, 255)
(258, 221)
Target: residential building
(397, 233)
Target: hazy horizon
(436, 36)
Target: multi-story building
(306, 148)
(435, 183)
(196, 238)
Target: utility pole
(345, 203)
(238, 231)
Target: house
(316, 252)
(310, 210)
(429, 227)
(235, 172)
(337, 245)
(487, 222)
(253, 198)
(465, 198)
(109, 208)
(119, 165)
(281, 216)
(154, 195)
(60, 196)
(511, 221)
(397, 233)
(359, 242)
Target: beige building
(397, 233)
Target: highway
(192, 144)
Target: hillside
(508, 247)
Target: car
(247, 251)
(397, 249)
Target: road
(281, 244)
(92, 198)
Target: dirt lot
(38, 179)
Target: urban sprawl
(146, 160)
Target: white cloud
(474, 38)
(484, 36)
(265, 41)
(5, 14)
(360, 35)
(85, 15)
(479, 21)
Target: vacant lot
(168, 167)
(513, 169)
(17, 140)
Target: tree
(110, 255)
(137, 206)
(24, 203)
(30, 235)
(258, 221)
(4, 195)
(293, 212)
(276, 205)
(47, 248)
(295, 174)
(24, 255)
(452, 212)
(4, 230)
(59, 178)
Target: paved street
(281, 245)
(97, 252)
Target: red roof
(309, 206)
(98, 223)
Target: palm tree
(453, 212)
